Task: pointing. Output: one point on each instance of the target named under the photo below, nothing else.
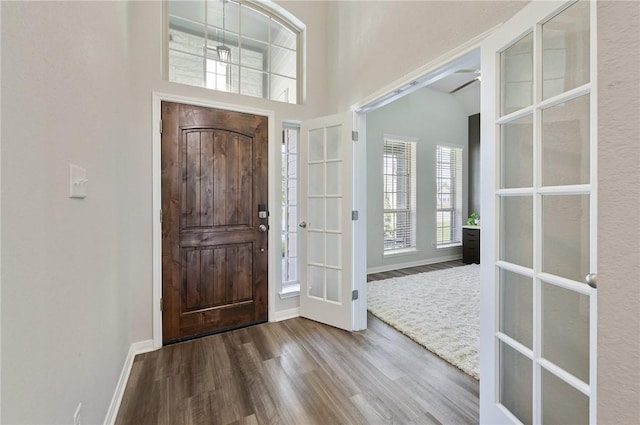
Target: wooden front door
(214, 251)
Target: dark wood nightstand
(471, 244)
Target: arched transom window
(234, 46)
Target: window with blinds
(399, 168)
(449, 196)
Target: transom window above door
(234, 46)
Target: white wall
(66, 293)
(433, 118)
(373, 43)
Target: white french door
(326, 257)
(539, 212)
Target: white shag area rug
(440, 310)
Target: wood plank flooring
(413, 270)
(298, 372)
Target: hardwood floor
(414, 270)
(298, 372)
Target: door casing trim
(157, 98)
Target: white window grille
(449, 196)
(399, 168)
(290, 281)
(233, 46)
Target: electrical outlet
(76, 416)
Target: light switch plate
(77, 182)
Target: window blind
(399, 194)
(449, 195)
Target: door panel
(214, 176)
(538, 315)
(325, 184)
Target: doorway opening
(422, 161)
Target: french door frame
(274, 200)
(490, 335)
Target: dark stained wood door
(214, 257)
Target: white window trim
(279, 14)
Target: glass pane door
(543, 201)
(325, 275)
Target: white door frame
(157, 198)
(536, 11)
(427, 74)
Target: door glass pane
(516, 307)
(565, 236)
(316, 144)
(561, 403)
(334, 250)
(516, 153)
(334, 213)
(316, 282)
(316, 213)
(316, 247)
(565, 329)
(334, 285)
(565, 143)
(516, 75)
(334, 178)
(516, 383)
(316, 179)
(516, 230)
(565, 50)
(333, 142)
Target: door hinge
(160, 126)
(161, 216)
(354, 215)
(354, 136)
(161, 304)
(354, 295)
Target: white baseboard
(135, 349)
(426, 262)
(287, 314)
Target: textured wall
(619, 203)
(65, 290)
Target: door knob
(591, 279)
(262, 228)
(303, 224)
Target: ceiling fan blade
(457, 89)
